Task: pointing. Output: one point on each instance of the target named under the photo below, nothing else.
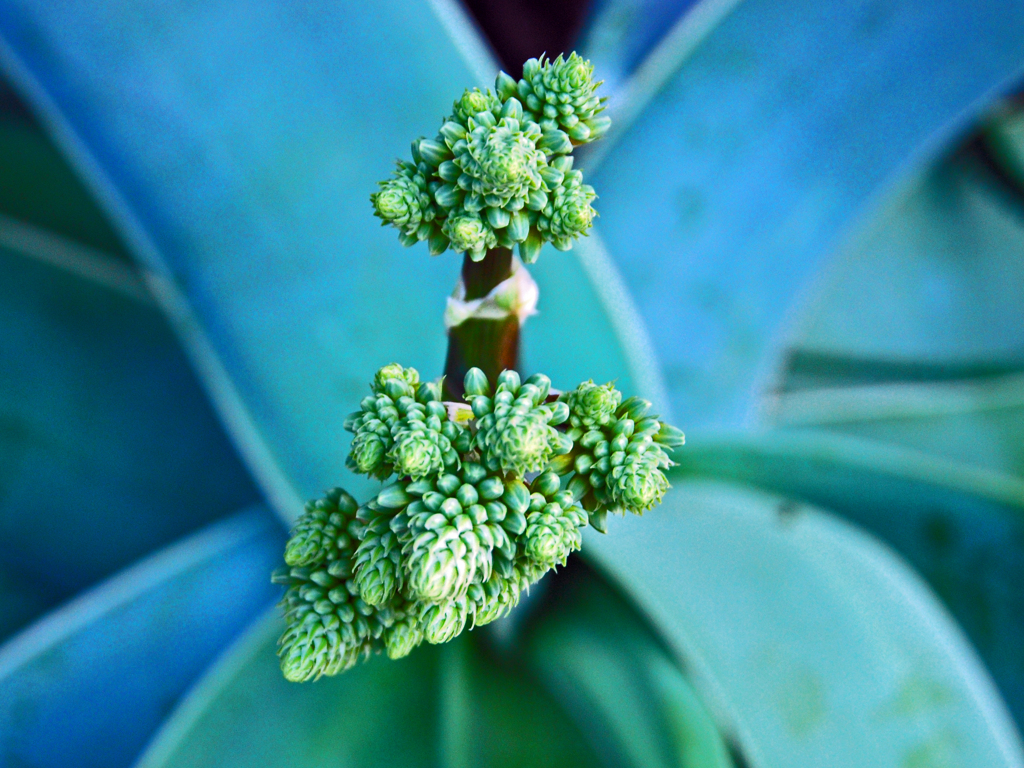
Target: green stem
(491, 345)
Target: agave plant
(797, 258)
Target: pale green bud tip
(544, 545)
(402, 638)
(473, 102)
(475, 382)
(576, 71)
(376, 585)
(467, 232)
(670, 436)
(593, 403)
(444, 621)
(302, 550)
(417, 456)
(525, 443)
(394, 371)
(390, 203)
(367, 453)
(639, 484)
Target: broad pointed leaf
(449, 706)
(810, 639)
(91, 682)
(108, 447)
(728, 176)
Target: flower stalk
(490, 477)
(491, 345)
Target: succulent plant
(485, 499)
(516, 429)
(498, 172)
(619, 450)
(329, 628)
(561, 94)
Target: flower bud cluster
(499, 172)
(619, 451)
(329, 628)
(486, 501)
(515, 429)
(402, 427)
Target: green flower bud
(523, 443)
(321, 533)
(367, 455)
(560, 93)
(568, 213)
(498, 163)
(468, 232)
(473, 102)
(516, 496)
(405, 634)
(550, 537)
(403, 202)
(475, 383)
(444, 621)
(638, 483)
(419, 451)
(496, 596)
(529, 249)
(394, 371)
(394, 497)
(670, 436)
(377, 559)
(592, 404)
(328, 627)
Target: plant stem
(491, 345)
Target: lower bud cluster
(486, 500)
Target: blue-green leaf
(108, 447)
(253, 203)
(931, 285)
(906, 367)
(731, 169)
(617, 679)
(813, 643)
(451, 706)
(91, 682)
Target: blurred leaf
(619, 682)
(619, 35)
(962, 527)
(37, 186)
(977, 422)
(735, 163)
(21, 600)
(108, 447)
(934, 280)
(1004, 135)
(91, 682)
(380, 713)
(814, 642)
(912, 346)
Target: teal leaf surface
(901, 405)
(617, 679)
(108, 446)
(253, 202)
(812, 642)
(727, 177)
(448, 706)
(91, 682)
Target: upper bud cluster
(499, 172)
(487, 499)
